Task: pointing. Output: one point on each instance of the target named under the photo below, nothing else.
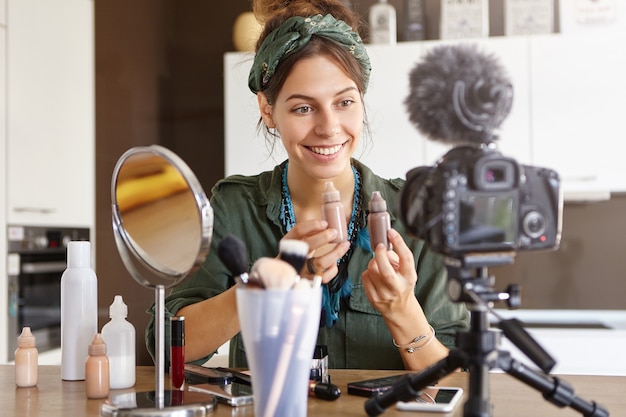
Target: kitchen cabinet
(3, 241)
(566, 111)
(577, 110)
(50, 113)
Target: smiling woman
(309, 74)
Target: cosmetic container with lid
(177, 352)
(378, 221)
(119, 336)
(382, 23)
(334, 212)
(26, 360)
(79, 310)
(97, 369)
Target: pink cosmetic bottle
(378, 221)
(334, 212)
(26, 360)
(97, 369)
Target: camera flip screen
(487, 219)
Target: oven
(36, 260)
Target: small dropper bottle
(378, 221)
(97, 369)
(26, 360)
(334, 212)
(119, 336)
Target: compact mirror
(162, 223)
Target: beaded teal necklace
(340, 286)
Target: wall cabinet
(3, 241)
(47, 120)
(50, 113)
(578, 88)
(566, 111)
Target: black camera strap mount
(477, 351)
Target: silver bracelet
(411, 346)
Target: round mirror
(162, 219)
(162, 223)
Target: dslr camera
(477, 200)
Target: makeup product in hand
(26, 360)
(177, 351)
(334, 212)
(378, 221)
(97, 369)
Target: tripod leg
(408, 387)
(555, 390)
(480, 344)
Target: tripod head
(469, 281)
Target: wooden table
(511, 398)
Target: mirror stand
(159, 209)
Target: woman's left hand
(390, 278)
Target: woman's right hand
(323, 253)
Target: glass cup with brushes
(279, 315)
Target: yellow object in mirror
(159, 215)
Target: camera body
(477, 200)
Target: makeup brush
(293, 252)
(274, 273)
(233, 253)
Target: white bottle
(382, 21)
(119, 336)
(79, 310)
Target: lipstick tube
(177, 352)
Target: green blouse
(250, 208)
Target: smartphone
(196, 374)
(434, 399)
(373, 387)
(233, 394)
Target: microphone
(459, 95)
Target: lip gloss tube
(177, 352)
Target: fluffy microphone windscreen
(459, 95)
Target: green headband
(294, 34)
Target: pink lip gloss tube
(177, 352)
